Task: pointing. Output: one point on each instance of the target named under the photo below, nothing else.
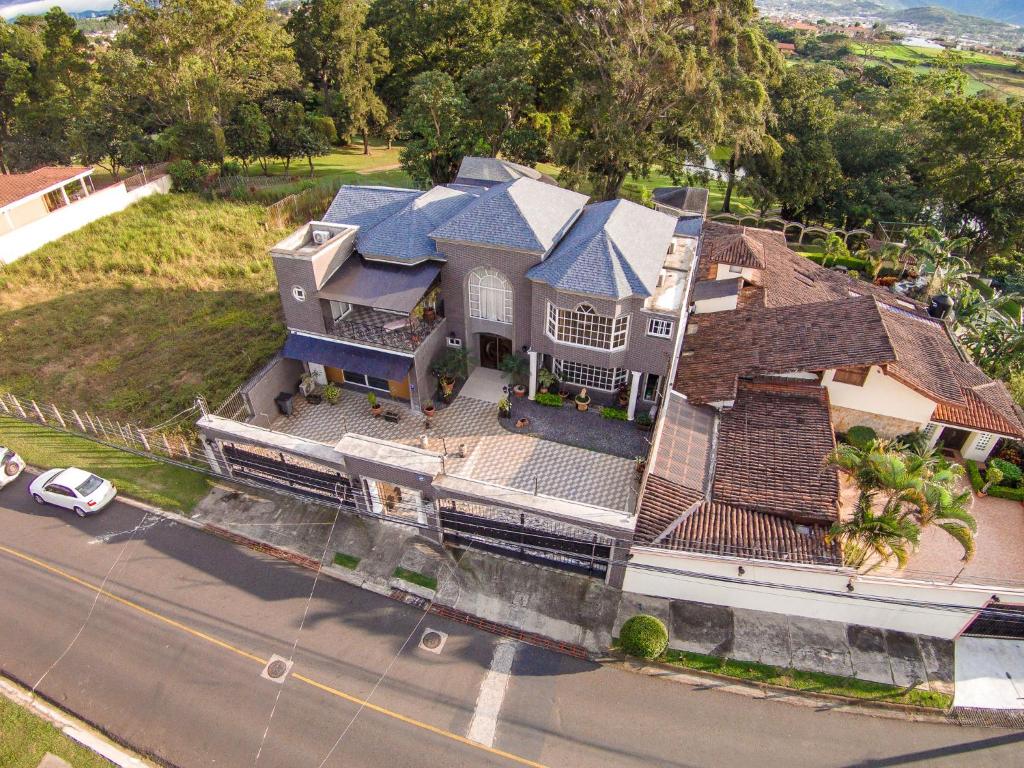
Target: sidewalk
(565, 607)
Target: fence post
(92, 424)
(3, 404)
(39, 413)
(184, 447)
(142, 439)
(103, 429)
(60, 419)
(78, 420)
(17, 406)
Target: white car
(82, 492)
(11, 466)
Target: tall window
(490, 295)
(585, 328)
(591, 376)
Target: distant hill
(951, 23)
(1008, 11)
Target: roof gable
(17, 186)
(365, 207)
(494, 170)
(615, 248)
(525, 215)
(404, 235)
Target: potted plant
(582, 400)
(307, 384)
(545, 380)
(429, 410)
(992, 477)
(644, 421)
(375, 407)
(639, 465)
(564, 393)
(504, 408)
(623, 394)
(332, 393)
(451, 365)
(516, 367)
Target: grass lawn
(160, 484)
(25, 738)
(415, 577)
(808, 681)
(137, 313)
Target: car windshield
(91, 484)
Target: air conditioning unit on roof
(321, 236)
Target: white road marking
(107, 537)
(484, 724)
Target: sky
(9, 9)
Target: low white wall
(62, 221)
(864, 606)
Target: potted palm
(582, 400)
(450, 366)
(307, 384)
(545, 380)
(623, 394)
(375, 407)
(516, 367)
(332, 393)
(644, 421)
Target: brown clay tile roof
(772, 450)
(989, 407)
(924, 355)
(722, 529)
(15, 186)
(738, 249)
(662, 504)
(719, 347)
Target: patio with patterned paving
(489, 453)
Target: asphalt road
(168, 656)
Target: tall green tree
(199, 58)
(21, 50)
(343, 60)
(248, 134)
(436, 119)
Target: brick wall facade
(280, 375)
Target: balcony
(386, 330)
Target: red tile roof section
(15, 186)
(738, 249)
(662, 504)
(773, 446)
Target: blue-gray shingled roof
(524, 214)
(615, 248)
(365, 207)
(404, 236)
(690, 226)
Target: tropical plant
(332, 393)
(901, 492)
(516, 367)
(1011, 473)
(992, 477)
(546, 378)
(452, 365)
(861, 436)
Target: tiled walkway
(492, 454)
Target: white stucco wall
(864, 606)
(979, 446)
(724, 273)
(880, 394)
(62, 221)
(722, 304)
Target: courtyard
(476, 447)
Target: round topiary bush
(1011, 472)
(861, 437)
(644, 636)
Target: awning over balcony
(381, 286)
(337, 354)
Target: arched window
(490, 295)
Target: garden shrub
(861, 437)
(913, 441)
(644, 636)
(617, 414)
(549, 399)
(186, 176)
(1002, 492)
(1011, 472)
(974, 473)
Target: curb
(73, 728)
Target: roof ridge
(519, 210)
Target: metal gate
(274, 470)
(578, 555)
(997, 620)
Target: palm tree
(901, 492)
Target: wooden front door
(400, 389)
(334, 374)
(493, 349)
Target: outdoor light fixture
(849, 586)
(742, 570)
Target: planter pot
(543, 390)
(376, 410)
(623, 401)
(582, 406)
(430, 314)
(564, 394)
(519, 390)
(429, 411)
(522, 423)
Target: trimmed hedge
(861, 437)
(974, 472)
(549, 399)
(1011, 472)
(644, 636)
(617, 414)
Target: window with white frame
(984, 441)
(298, 293)
(592, 376)
(658, 326)
(490, 295)
(585, 328)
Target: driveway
(989, 673)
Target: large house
(501, 262)
(778, 355)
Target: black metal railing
(406, 337)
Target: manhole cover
(433, 640)
(277, 669)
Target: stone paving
(491, 454)
(586, 429)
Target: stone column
(85, 189)
(64, 194)
(634, 392)
(533, 374)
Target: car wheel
(79, 511)
(38, 498)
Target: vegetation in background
(161, 484)
(28, 737)
(138, 313)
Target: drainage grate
(277, 669)
(433, 640)
(1001, 718)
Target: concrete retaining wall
(280, 375)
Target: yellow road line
(245, 654)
